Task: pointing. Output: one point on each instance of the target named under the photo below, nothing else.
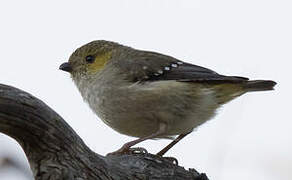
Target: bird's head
(89, 59)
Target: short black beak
(66, 67)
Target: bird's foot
(123, 150)
(138, 150)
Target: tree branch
(55, 151)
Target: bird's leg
(170, 145)
(126, 147)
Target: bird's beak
(66, 67)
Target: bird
(150, 95)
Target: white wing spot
(180, 63)
(160, 71)
(166, 68)
(174, 65)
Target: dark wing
(182, 71)
(144, 66)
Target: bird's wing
(182, 71)
(151, 66)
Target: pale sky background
(251, 138)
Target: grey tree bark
(55, 151)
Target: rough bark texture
(55, 151)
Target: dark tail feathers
(259, 85)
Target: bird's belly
(141, 124)
(133, 124)
(141, 113)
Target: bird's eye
(89, 59)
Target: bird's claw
(135, 150)
(138, 150)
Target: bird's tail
(259, 85)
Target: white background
(251, 136)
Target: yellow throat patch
(99, 62)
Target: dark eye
(90, 59)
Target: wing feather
(144, 66)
